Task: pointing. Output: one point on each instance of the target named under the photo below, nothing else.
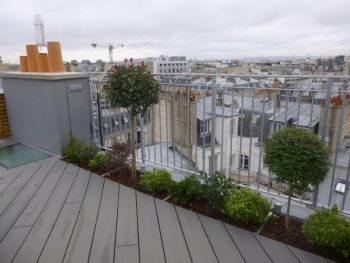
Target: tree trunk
(133, 145)
(288, 207)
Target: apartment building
(166, 64)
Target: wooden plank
(174, 243)
(7, 178)
(15, 187)
(127, 218)
(127, 254)
(278, 252)
(12, 242)
(80, 243)
(38, 202)
(15, 209)
(196, 239)
(35, 242)
(57, 243)
(223, 246)
(306, 257)
(246, 243)
(103, 244)
(151, 248)
(80, 186)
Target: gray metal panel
(80, 109)
(127, 254)
(306, 257)
(80, 243)
(174, 243)
(14, 210)
(79, 187)
(57, 243)
(127, 218)
(246, 243)
(48, 111)
(7, 178)
(103, 244)
(38, 202)
(196, 239)
(224, 248)
(15, 187)
(12, 242)
(35, 242)
(277, 251)
(151, 249)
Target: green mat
(19, 154)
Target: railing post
(324, 130)
(213, 118)
(142, 165)
(98, 104)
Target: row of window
(173, 64)
(169, 71)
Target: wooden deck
(51, 212)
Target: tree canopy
(132, 87)
(297, 157)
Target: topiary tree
(298, 158)
(134, 88)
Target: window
(232, 129)
(105, 125)
(279, 126)
(216, 163)
(160, 65)
(114, 140)
(116, 123)
(184, 64)
(256, 117)
(95, 126)
(125, 120)
(128, 137)
(205, 127)
(244, 162)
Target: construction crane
(111, 47)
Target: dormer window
(255, 119)
(279, 126)
(205, 127)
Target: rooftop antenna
(40, 33)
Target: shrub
(214, 189)
(156, 180)
(120, 162)
(89, 152)
(247, 206)
(99, 162)
(186, 190)
(327, 228)
(74, 150)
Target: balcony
(52, 211)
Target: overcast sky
(204, 29)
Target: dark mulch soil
(134, 183)
(200, 208)
(275, 229)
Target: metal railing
(211, 122)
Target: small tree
(134, 88)
(298, 158)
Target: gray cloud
(202, 29)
